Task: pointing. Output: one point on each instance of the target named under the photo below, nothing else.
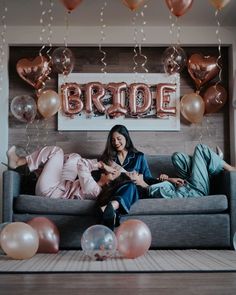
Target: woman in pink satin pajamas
(65, 176)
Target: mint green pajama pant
(196, 170)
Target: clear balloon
(174, 59)
(63, 60)
(192, 107)
(219, 4)
(48, 233)
(133, 4)
(215, 98)
(19, 240)
(49, 102)
(34, 71)
(134, 238)
(71, 4)
(202, 68)
(99, 242)
(179, 7)
(24, 108)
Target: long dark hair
(108, 191)
(110, 153)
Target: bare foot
(12, 157)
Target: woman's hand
(107, 168)
(163, 177)
(176, 181)
(137, 178)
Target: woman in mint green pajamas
(195, 173)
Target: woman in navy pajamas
(121, 154)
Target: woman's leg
(183, 164)
(204, 164)
(53, 159)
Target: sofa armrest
(229, 179)
(11, 189)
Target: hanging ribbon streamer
(3, 42)
(219, 47)
(139, 59)
(103, 38)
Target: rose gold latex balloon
(134, 238)
(133, 4)
(71, 4)
(49, 103)
(192, 107)
(179, 7)
(215, 98)
(19, 240)
(174, 59)
(48, 233)
(63, 60)
(219, 4)
(34, 71)
(202, 68)
(24, 108)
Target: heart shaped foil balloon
(202, 68)
(34, 71)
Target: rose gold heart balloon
(179, 7)
(133, 4)
(219, 4)
(71, 4)
(202, 68)
(34, 71)
(215, 98)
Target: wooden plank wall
(214, 130)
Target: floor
(119, 284)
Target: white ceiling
(28, 12)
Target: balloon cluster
(132, 239)
(193, 106)
(36, 72)
(20, 240)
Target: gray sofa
(203, 223)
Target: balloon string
(28, 138)
(50, 31)
(37, 133)
(66, 28)
(103, 38)
(45, 127)
(145, 59)
(43, 30)
(2, 43)
(135, 67)
(219, 46)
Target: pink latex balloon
(192, 107)
(48, 233)
(19, 240)
(134, 238)
(49, 103)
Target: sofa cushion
(207, 204)
(41, 205)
